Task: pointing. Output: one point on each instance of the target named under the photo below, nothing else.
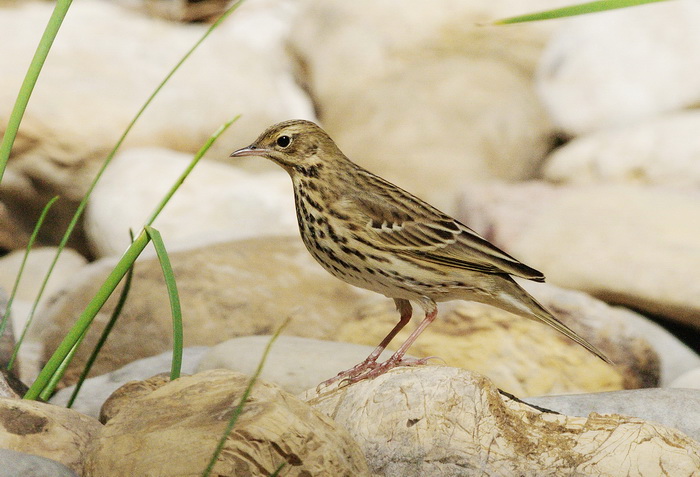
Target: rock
(480, 117)
(175, 428)
(689, 379)
(95, 391)
(446, 421)
(521, 356)
(226, 290)
(677, 408)
(16, 464)
(613, 241)
(216, 202)
(48, 431)
(69, 127)
(660, 151)
(181, 10)
(621, 67)
(294, 363)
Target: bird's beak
(249, 151)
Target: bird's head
(299, 146)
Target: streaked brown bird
(374, 235)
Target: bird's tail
(515, 299)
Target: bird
(375, 235)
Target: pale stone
(425, 96)
(294, 363)
(97, 77)
(449, 422)
(689, 379)
(175, 426)
(21, 464)
(622, 66)
(48, 431)
(216, 202)
(625, 244)
(677, 408)
(95, 391)
(226, 290)
(662, 151)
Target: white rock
(294, 363)
(690, 379)
(216, 202)
(626, 244)
(622, 66)
(663, 150)
(98, 76)
(678, 408)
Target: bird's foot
(370, 369)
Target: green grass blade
(85, 319)
(103, 337)
(278, 470)
(580, 9)
(241, 404)
(174, 297)
(25, 91)
(53, 382)
(13, 293)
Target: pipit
(374, 235)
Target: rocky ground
(572, 144)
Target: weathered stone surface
(625, 244)
(660, 151)
(48, 431)
(175, 426)
(217, 202)
(677, 408)
(426, 97)
(621, 67)
(226, 290)
(449, 422)
(89, 92)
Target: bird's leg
(397, 359)
(405, 310)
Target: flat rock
(677, 408)
(660, 151)
(53, 432)
(175, 426)
(95, 391)
(625, 244)
(226, 290)
(89, 93)
(446, 421)
(217, 201)
(622, 66)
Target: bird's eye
(284, 141)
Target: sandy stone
(449, 422)
(226, 290)
(175, 426)
(625, 244)
(48, 431)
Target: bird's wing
(405, 225)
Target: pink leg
(397, 358)
(404, 307)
